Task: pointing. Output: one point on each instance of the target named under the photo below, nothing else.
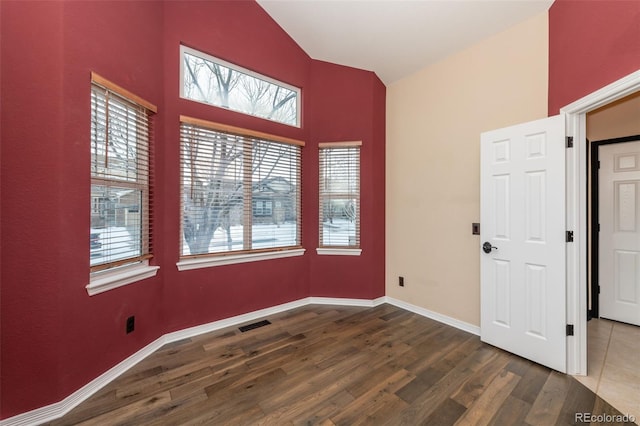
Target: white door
(619, 238)
(522, 214)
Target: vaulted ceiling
(394, 38)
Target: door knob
(487, 247)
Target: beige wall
(434, 121)
(616, 120)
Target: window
(231, 180)
(262, 208)
(206, 79)
(120, 172)
(340, 195)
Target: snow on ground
(263, 236)
(338, 233)
(271, 235)
(118, 243)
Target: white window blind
(340, 194)
(120, 176)
(240, 189)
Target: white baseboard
(229, 322)
(368, 303)
(59, 409)
(464, 326)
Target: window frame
(117, 273)
(205, 56)
(209, 259)
(339, 250)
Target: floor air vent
(254, 325)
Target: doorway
(577, 213)
(615, 228)
(613, 370)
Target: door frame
(594, 312)
(577, 215)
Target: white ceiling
(394, 38)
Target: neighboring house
(122, 208)
(274, 201)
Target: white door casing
(523, 278)
(576, 114)
(619, 237)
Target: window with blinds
(120, 176)
(340, 194)
(240, 190)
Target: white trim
(210, 261)
(99, 282)
(339, 251)
(612, 92)
(576, 221)
(59, 409)
(368, 303)
(577, 212)
(461, 325)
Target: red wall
(252, 40)
(30, 318)
(55, 338)
(591, 44)
(345, 106)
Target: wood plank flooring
(335, 365)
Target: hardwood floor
(334, 365)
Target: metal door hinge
(569, 329)
(569, 141)
(569, 238)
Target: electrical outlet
(401, 281)
(131, 324)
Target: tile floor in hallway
(613, 363)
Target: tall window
(240, 189)
(213, 81)
(340, 194)
(120, 173)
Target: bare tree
(212, 195)
(267, 100)
(281, 99)
(255, 93)
(210, 80)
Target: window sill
(339, 251)
(210, 261)
(108, 280)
